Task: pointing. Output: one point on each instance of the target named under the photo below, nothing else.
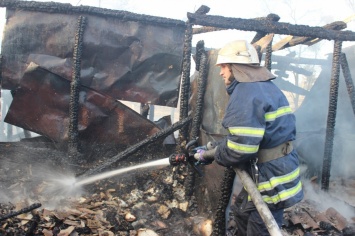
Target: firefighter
(261, 128)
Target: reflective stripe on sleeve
(277, 180)
(247, 131)
(242, 148)
(271, 116)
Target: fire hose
(247, 182)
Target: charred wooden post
(185, 84)
(23, 210)
(268, 55)
(73, 146)
(348, 80)
(226, 190)
(201, 65)
(200, 49)
(332, 109)
(134, 148)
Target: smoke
(3, 197)
(43, 181)
(328, 199)
(311, 118)
(53, 187)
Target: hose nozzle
(177, 159)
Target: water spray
(88, 180)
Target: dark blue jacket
(258, 116)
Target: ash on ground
(148, 201)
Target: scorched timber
(270, 27)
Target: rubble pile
(143, 202)
(305, 219)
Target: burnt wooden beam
(19, 212)
(206, 29)
(296, 40)
(66, 8)
(294, 69)
(270, 27)
(300, 60)
(202, 10)
(261, 34)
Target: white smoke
(328, 199)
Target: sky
(302, 12)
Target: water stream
(91, 179)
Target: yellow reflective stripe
(270, 116)
(242, 148)
(247, 131)
(283, 195)
(275, 181)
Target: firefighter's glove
(199, 156)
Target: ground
(119, 205)
(149, 201)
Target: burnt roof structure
(75, 75)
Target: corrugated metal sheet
(41, 105)
(127, 60)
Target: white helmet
(239, 51)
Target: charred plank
(54, 7)
(270, 27)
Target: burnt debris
(86, 85)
